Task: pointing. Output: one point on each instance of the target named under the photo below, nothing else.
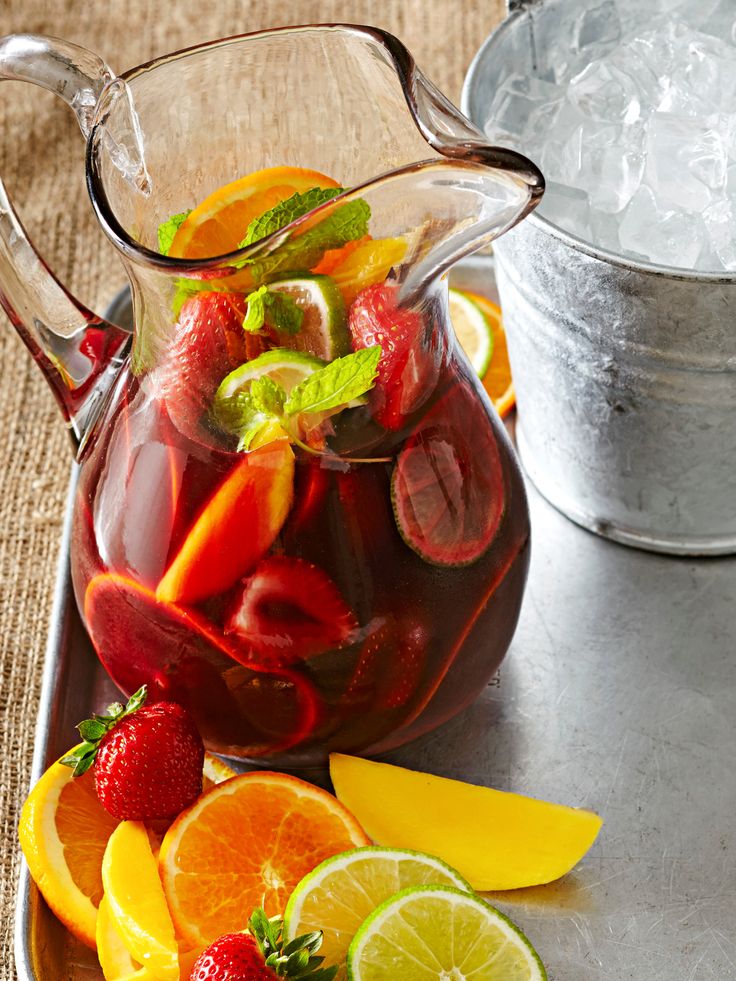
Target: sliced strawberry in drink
(448, 486)
(290, 609)
(208, 343)
(390, 664)
(235, 528)
(406, 369)
(249, 710)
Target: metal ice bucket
(625, 372)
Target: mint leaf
(286, 211)
(168, 229)
(243, 415)
(267, 396)
(336, 384)
(275, 309)
(346, 223)
(255, 316)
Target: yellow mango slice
(495, 839)
(136, 903)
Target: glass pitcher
(298, 595)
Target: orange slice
(367, 262)
(248, 842)
(63, 832)
(497, 379)
(219, 223)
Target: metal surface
(625, 372)
(619, 693)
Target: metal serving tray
(619, 693)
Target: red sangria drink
(299, 515)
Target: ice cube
(635, 14)
(520, 106)
(711, 68)
(616, 173)
(714, 17)
(666, 236)
(604, 230)
(596, 26)
(686, 161)
(567, 207)
(603, 92)
(720, 226)
(561, 160)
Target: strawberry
(232, 957)
(261, 955)
(404, 369)
(147, 759)
(290, 609)
(208, 343)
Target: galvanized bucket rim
(495, 38)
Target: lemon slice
(136, 902)
(341, 892)
(440, 932)
(472, 329)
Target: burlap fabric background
(41, 161)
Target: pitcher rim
(472, 154)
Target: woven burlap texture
(41, 162)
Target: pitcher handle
(79, 353)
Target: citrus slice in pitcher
(183, 657)
(447, 487)
(219, 223)
(235, 527)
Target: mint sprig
(338, 383)
(329, 389)
(272, 308)
(95, 729)
(345, 224)
(283, 213)
(168, 229)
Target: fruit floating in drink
(299, 516)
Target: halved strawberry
(290, 609)
(390, 664)
(208, 343)
(405, 368)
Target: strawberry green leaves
(93, 730)
(292, 390)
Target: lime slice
(341, 892)
(438, 932)
(324, 329)
(472, 329)
(286, 367)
